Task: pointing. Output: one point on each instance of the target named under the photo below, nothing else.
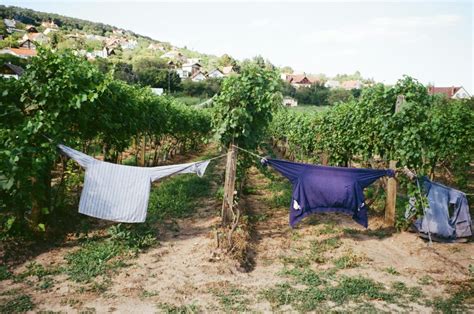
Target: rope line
(249, 152)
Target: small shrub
(392, 271)
(183, 309)
(19, 304)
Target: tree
(287, 69)
(316, 94)
(154, 72)
(339, 95)
(226, 60)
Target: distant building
(174, 55)
(50, 24)
(332, 84)
(191, 68)
(156, 47)
(198, 77)
(19, 52)
(300, 80)
(9, 23)
(128, 44)
(49, 30)
(349, 85)
(450, 92)
(228, 70)
(9, 70)
(31, 29)
(216, 73)
(289, 102)
(36, 37)
(157, 91)
(27, 44)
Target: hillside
(78, 34)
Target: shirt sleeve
(198, 168)
(291, 170)
(82, 159)
(366, 177)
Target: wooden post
(142, 152)
(391, 201)
(229, 186)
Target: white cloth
(120, 193)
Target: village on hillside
(22, 40)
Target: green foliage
(154, 72)
(427, 131)
(183, 309)
(203, 89)
(66, 98)
(316, 94)
(19, 304)
(244, 108)
(5, 273)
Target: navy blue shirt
(318, 189)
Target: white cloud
(440, 20)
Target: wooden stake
(142, 152)
(229, 186)
(391, 201)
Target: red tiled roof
(23, 52)
(301, 79)
(448, 91)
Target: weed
(413, 294)
(470, 268)
(349, 260)
(233, 300)
(319, 247)
(91, 260)
(281, 294)
(183, 309)
(19, 304)
(258, 218)
(148, 294)
(296, 261)
(46, 284)
(392, 271)
(5, 273)
(354, 288)
(38, 270)
(304, 276)
(453, 303)
(88, 310)
(425, 280)
(378, 233)
(328, 228)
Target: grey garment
(437, 219)
(120, 193)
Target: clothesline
(249, 152)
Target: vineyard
(222, 242)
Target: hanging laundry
(318, 189)
(437, 220)
(120, 193)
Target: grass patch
(177, 197)
(233, 300)
(349, 260)
(357, 288)
(319, 247)
(378, 233)
(182, 309)
(5, 273)
(454, 303)
(19, 304)
(392, 271)
(304, 276)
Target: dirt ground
(185, 273)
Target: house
(31, 29)
(450, 92)
(49, 30)
(112, 43)
(27, 44)
(183, 74)
(9, 23)
(50, 24)
(191, 68)
(9, 70)
(332, 84)
(156, 47)
(198, 77)
(349, 85)
(174, 55)
(216, 73)
(96, 37)
(300, 80)
(36, 37)
(289, 102)
(19, 52)
(118, 31)
(228, 70)
(128, 44)
(157, 91)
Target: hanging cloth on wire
(118, 192)
(318, 189)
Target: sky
(429, 40)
